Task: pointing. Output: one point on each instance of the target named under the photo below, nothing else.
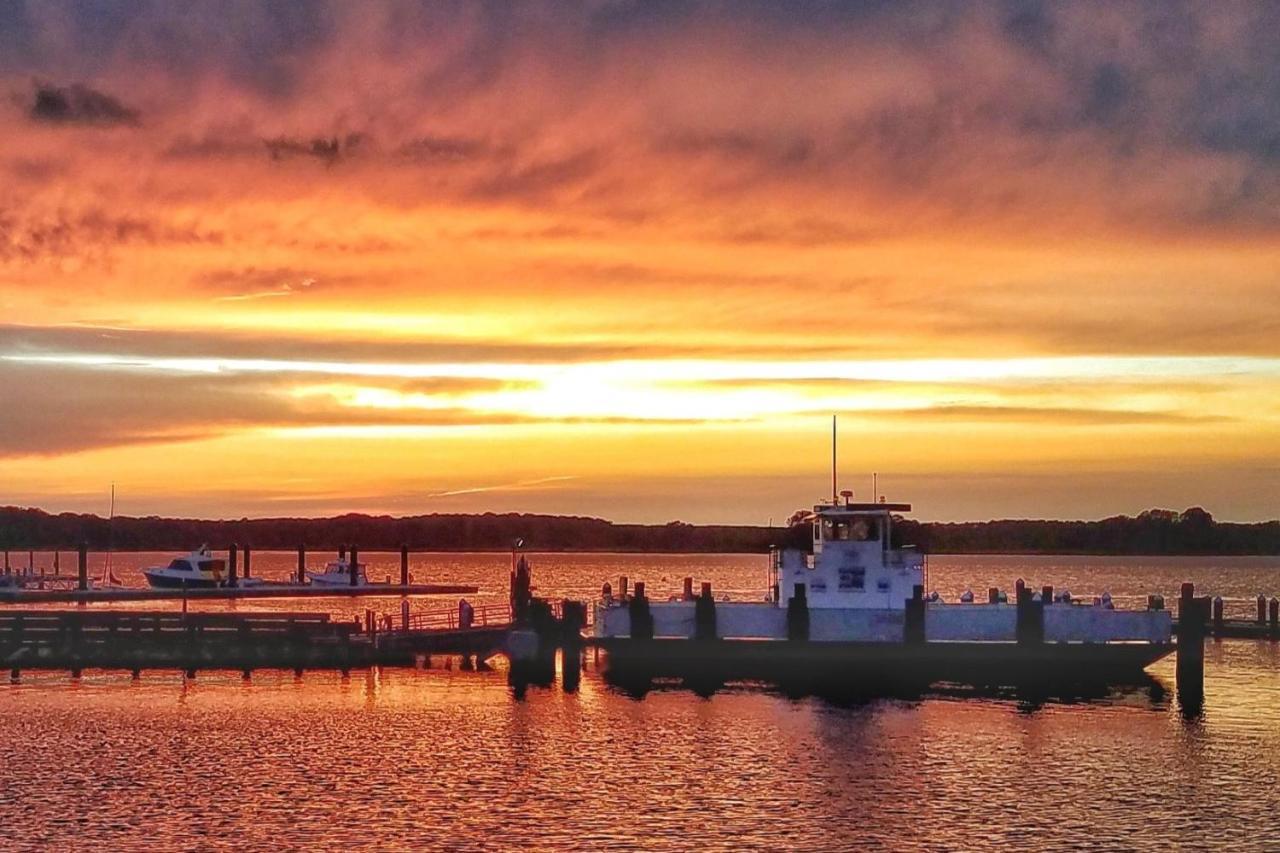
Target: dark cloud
(78, 104)
(32, 236)
(328, 150)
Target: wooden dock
(264, 590)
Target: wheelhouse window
(856, 529)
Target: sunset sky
(624, 259)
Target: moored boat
(197, 570)
(338, 573)
(852, 599)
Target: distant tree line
(1193, 531)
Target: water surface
(440, 758)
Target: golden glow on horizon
(633, 264)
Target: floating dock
(262, 590)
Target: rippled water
(447, 759)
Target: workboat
(850, 596)
(197, 570)
(338, 573)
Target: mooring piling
(353, 566)
(1192, 616)
(1262, 609)
(232, 552)
(247, 570)
(704, 614)
(404, 565)
(84, 566)
(913, 630)
(1275, 616)
(798, 615)
(993, 595)
(302, 564)
(1219, 607)
(1030, 615)
(641, 617)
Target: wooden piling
(798, 615)
(1262, 609)
(231, 565)
(622, 588)
(1275, 616)
(641, 617)
(913, 630)
(1046, 593)
(1218, 608)
(687, 593)
(302, 564)
(404, 565)
(704, 613)
(83, 566)
(1192, 615)
(246, 562)
(993, 595)
(353, 567)
(1030, 616)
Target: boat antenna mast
(835, 495)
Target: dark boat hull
(917, 664)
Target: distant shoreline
(1154, 533)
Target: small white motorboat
(338, 573)
(197, 570)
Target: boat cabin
(853, 563)
(197, 563)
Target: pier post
(232, 552)
(6, 562)
(353, 566)
(342, 552)
(302, 564)
(404, 565)
(1192, 613)
(573, 617)
(1046, 594)
(687, 593)
(1218, 607)
(798, 614)
(622, 588)
(704, 614)
(246, 562)
(641, 617)
(1275, 616)
(1030, 616)
(1262, 609)
(83, 567)
(913, 616)
(993, 595)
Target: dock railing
(447, 618)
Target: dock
(264, 590)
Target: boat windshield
(213, 565)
